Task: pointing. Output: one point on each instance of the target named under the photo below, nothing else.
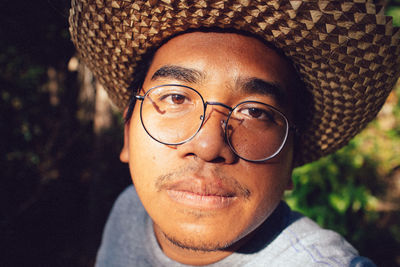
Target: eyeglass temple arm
(141, 98)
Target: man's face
(199, 194)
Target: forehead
(222, 58)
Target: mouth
(201, 194)
(200, 201)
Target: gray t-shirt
(128, 240)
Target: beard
(195, 242)
(196, 245)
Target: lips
(202, 187)
(200, 201)
(201, 193)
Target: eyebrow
(250, 85)
(258, 86)
(178, 73)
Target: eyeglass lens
(173, 114)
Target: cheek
(269, 184)
(144, 150)
(268, 192)
(270, 180)
(148, 159)
(141, 156)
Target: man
(217, 119)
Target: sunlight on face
(199, 194)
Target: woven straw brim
(346, 52)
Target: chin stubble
(196, 246)
(192, 243)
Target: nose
(209, 144)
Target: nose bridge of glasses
(214, 110)
(213, 103)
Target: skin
(180, 186)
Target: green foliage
(331, 188)
(395, 13)
(353, 192)
(393, 10)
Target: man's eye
(175, 99)
(255, 112)
(258, 113)
(178, 99)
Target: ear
(124, 155)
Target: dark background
(59, 166)
(59, 177)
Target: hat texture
(346, 52)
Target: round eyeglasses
(173, 114)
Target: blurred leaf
(394, 11)
(346, 191)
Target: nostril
(218, 160)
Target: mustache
(213, 178)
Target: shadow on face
(202, 197)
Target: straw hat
(346, 52)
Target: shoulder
(124, 231)
(125, 199)
(126, 212)
(303, 242)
